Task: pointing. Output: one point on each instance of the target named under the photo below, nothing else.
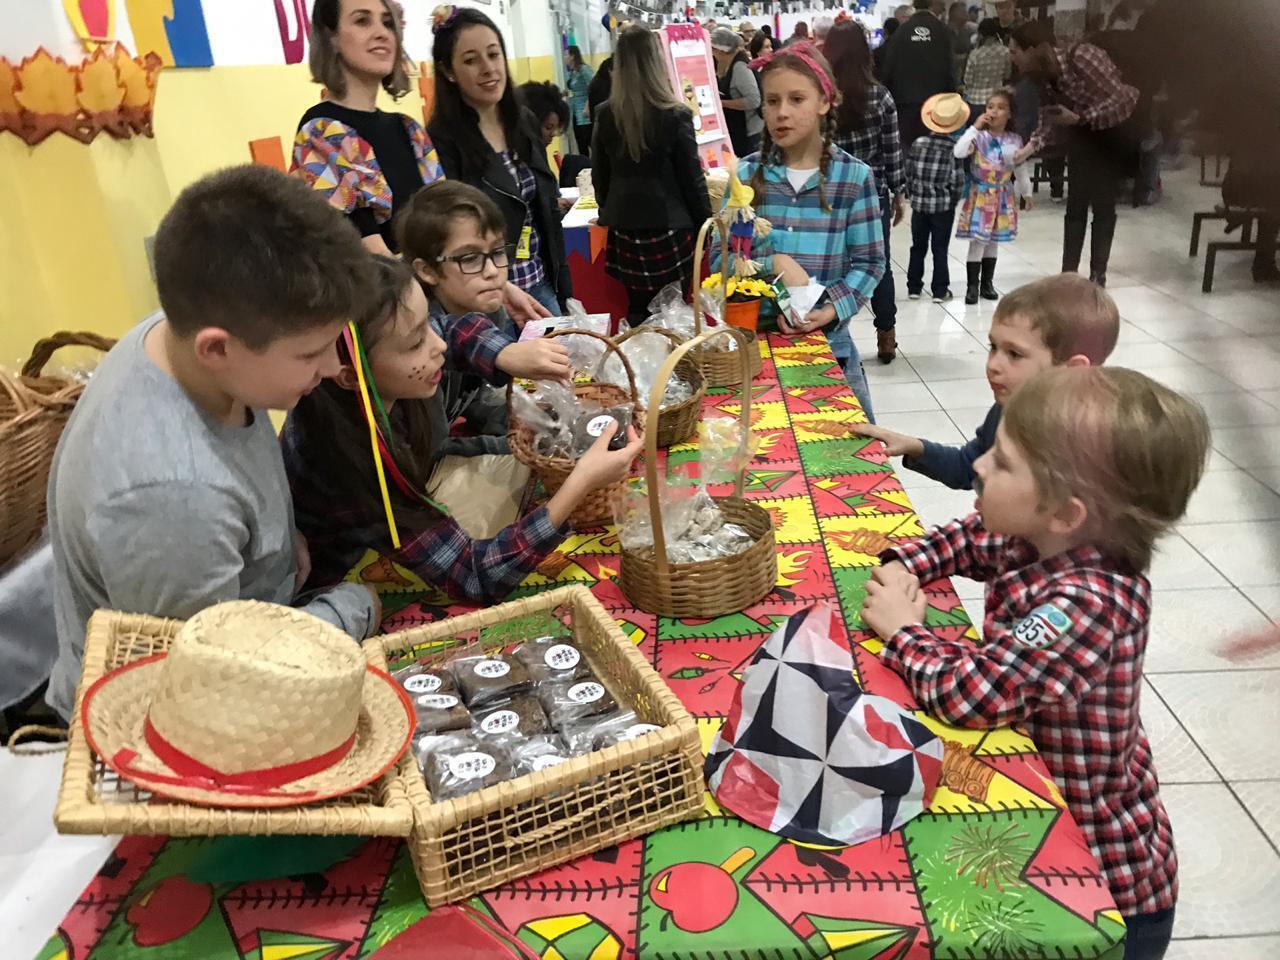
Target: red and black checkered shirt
(1064, 640)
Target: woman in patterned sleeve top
(366, 161)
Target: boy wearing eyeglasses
(454, 236)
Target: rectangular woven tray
(481, 840)
(93, 799)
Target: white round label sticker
(438, 701)
(562, 656)
(471, 765)
(586, 692)
(422, 683)
(500, 721)
(637, 730)
(598, 425)
(547, 760)
(492, 669)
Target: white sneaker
(913, 296)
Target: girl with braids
(823, 204)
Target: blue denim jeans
(846, 354)
(1148, 936)
(545, 294)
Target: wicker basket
(93, 799)
(600, 506)
(677, 422)
(721, 367)
(475, 842)
(708, 588)
(33, 411)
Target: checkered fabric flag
(806, 754)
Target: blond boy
(1089, 466)
(1059, 321)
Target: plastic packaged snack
(569, 700)
(553, 658)
(519, 717)
(438, 712)
(418, 679)
(693, 526)
(461, 763)
(483, 680)
(538, 753)
(596, 733)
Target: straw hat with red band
(253, 705)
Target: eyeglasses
(474, 262)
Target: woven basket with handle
(721, 367)
(33, 410)
(678, 421)
(600, 506)
(707, 588)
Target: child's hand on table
(538, 359)
(895, 444)
(894, 600)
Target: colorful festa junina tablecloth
(995, 868)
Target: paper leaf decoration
(108, 91)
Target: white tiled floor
(1213, 722)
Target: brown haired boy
(1063, 320)
(1089, 467)
(168, 492)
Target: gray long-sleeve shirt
(155, 507)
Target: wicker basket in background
(721, 368)
(676, 422)
(486, 838)
(600, 506)
(33, 410)
(94, 799)
(708, 588)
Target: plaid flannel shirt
(1064, 640)
(842, 248)
(526, 273)
(1091, 87)
(472, 344)
(878, 143)
(935, 178)
(986, 71)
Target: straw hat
(253, 705)
(945, 112)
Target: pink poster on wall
(693, 76)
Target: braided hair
(787, 60)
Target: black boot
(1100, 251)
(988, 273)
(971, 291)
(1073, 232)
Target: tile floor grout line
(1273, 844)
(1181, 726)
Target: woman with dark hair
(367, 162)
(867, 128)
(1085, 102)
(649, 183)
(577, 77)
(545, 101)
(761, 44)
(488, 140)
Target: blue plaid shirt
(525, 273)
(842, 248)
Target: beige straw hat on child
(945, 112)
(253, 705)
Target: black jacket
(666, 189)
(599, 89)
(917, 62)
(496, 182)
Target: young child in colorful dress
(392, 362)
(1090, 466)
(989, 216)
